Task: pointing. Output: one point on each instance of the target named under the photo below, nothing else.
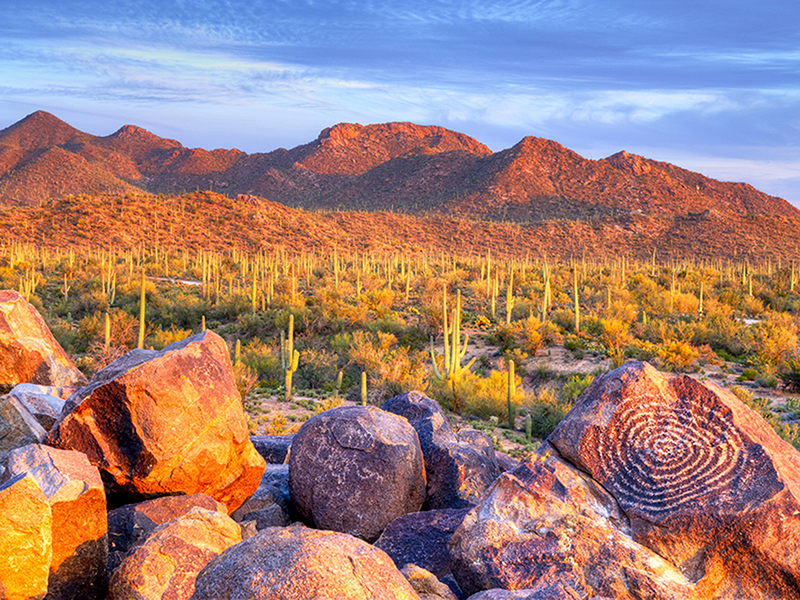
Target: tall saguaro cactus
(141, 313)
(454, 350)
(290, 358)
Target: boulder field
(143, 483)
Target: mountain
(400, 167)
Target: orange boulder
(165, 422)
(28, 351)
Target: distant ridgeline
(441, 188)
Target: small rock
(273, 448)
(44, 402)
(18, 427)
(505, 462)
(270, 505)
(426, 584)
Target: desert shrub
(160, 339)
(574, 387)
(481, 396)
(392, 370)
(576, 345)
(615, 336)
(685, 303)
(264, 360)
(748, 374)
(327, 404)
(774, 338)
(318, 369)
(790, 373)
(124, 329)
(677, 356)
(644, 350)
(546, 410)
(245, 379)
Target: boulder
(18, 427)
(129, 526)
(545, 523)
(166, 565)
(355, 469)
(74, 490)
(422, 538)
(165, 422)
(297, 563)
(549, 592)
(459, 469)
(426, 584)
(270, 505)
(273, 448)
(25, 539)
(28, 351)
(704, 480)
(44, 402)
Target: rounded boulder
(297, 563)
(356, 469)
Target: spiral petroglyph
(660, 457)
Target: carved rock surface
(166, 422)
(77, 500)
(44, 402)
(166, 565)
(25, 539)
(273, 448)
(270, 505)
(297, 563)
(546, 524)
(129, 526)
(704, 480)
(422, 538)
(18, 427)
(459, 469)
(355, 469)
(28, 351)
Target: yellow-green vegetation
(348, 313)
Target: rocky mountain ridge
(401, 167)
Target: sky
(710, 85)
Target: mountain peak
(629, 163)
(353, 149)
(39, 129)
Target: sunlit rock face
(165, 422)
(652, 487)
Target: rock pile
(651, 488)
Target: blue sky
(710, 85)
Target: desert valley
(391, 363)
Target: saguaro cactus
(511, 393)
(454, 350)
(290, 358)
